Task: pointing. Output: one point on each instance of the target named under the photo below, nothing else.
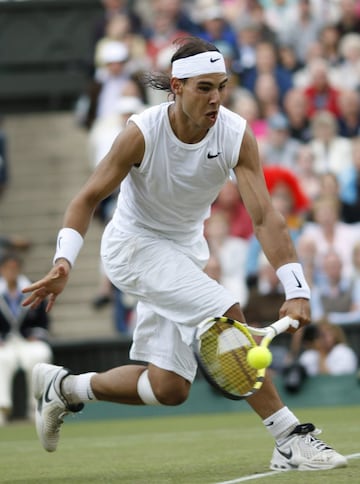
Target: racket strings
(224, 354)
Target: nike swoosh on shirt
(209, 155)
(299, 285)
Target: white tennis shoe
(302, 451)
(52, 406)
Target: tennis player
(172, 161)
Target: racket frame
(268, 333)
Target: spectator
(349, 119)
(330, 187)
(288, 195)
(332, 152)
(162, 32)
(181, 13)
(335, 297)
(326, 232)
(103, 133)
(247, 37)
(255, 11)
(23, 334)
(329, 40)
(13, 243)
(118, 29)
(328, 10)
(309, 180)
(288, 59)
(302, 30)
(302, 77)
(177, 10)
(296, 110)
(247, 106)
(321, 94)
(346, 75)
(214, 28)
(327, 351)
(100, 143)
(349, 20)
(230, 252)
(267, 94)
(278, 147)
(230, 203)
(109, 83)
(349, 186)
(112, 8)
(279, 14)
(265, 294)
(356, 262)
(267, 63)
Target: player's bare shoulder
(129, 145)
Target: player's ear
(176, 85)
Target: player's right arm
(126, 151)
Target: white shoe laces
(315, 442)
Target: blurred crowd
(294, 75)
(294, 69)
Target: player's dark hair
(187, 47)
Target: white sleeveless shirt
(171, 192)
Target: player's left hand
(49, 286)
(298, 309)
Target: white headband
(210, 62)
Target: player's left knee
(171, 389)
(163, 389)
(172, 396)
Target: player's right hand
(49, 287)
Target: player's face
(201, 98)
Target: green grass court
(180, 449)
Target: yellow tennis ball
(259, 357)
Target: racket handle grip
(284, 324)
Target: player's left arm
(271, 230)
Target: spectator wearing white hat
(109, 83)
(101, 138)
(103, 133)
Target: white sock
(77, 388)
(281, 423)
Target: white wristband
(292, 278)
(68, 245)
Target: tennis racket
(221, 345)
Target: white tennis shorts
(174, 294)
